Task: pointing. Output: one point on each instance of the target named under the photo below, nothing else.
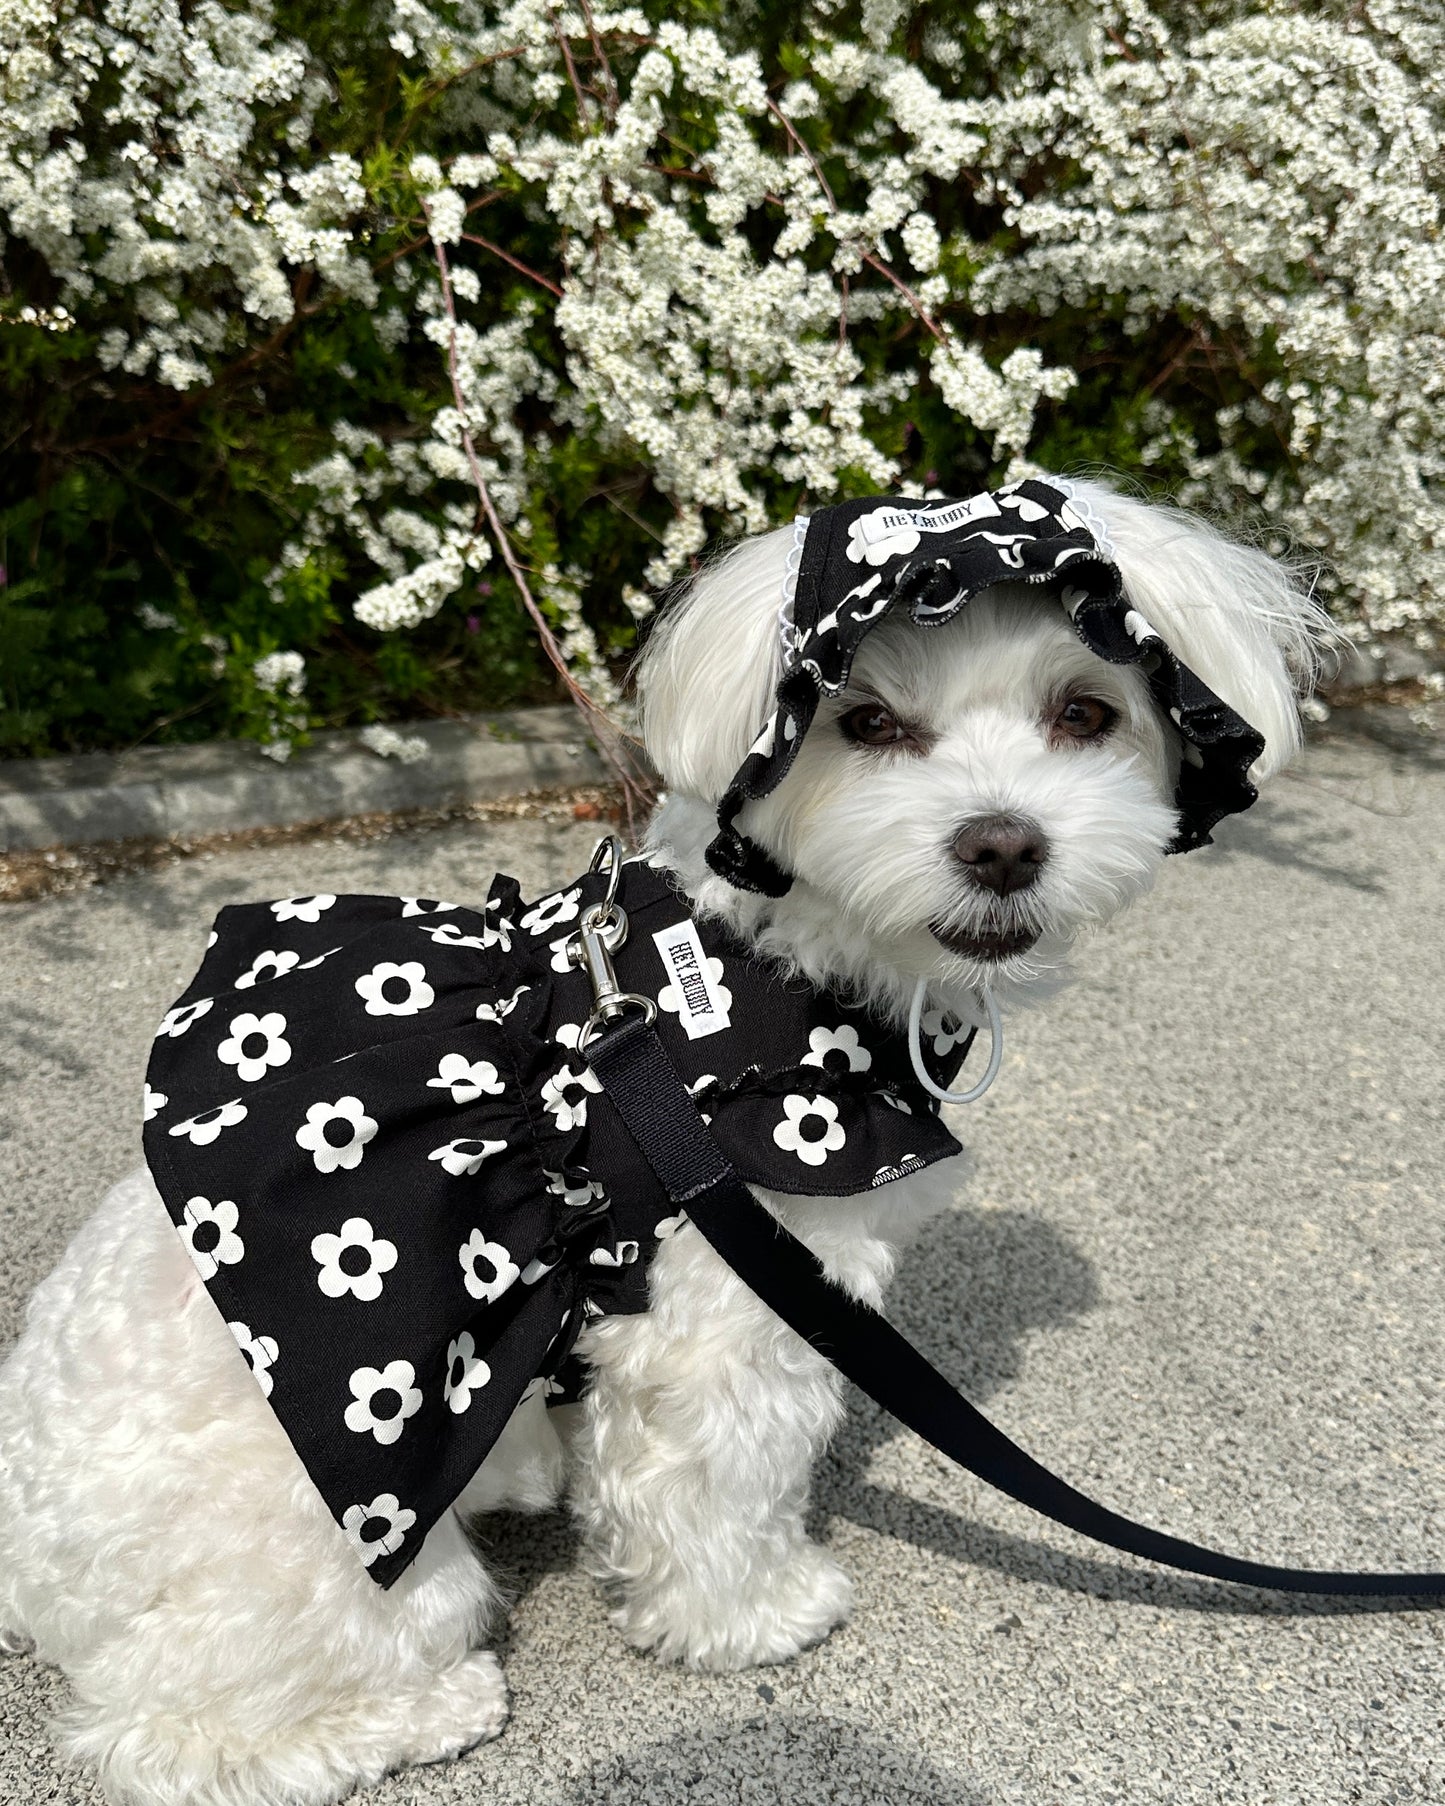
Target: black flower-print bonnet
(859, 561)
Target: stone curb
(226, 786)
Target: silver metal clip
(600, 933)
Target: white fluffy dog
(222, 1652)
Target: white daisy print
(567, 1034)
(310, 965)
(335, 1135)
(389, 989)
(203, 1128)
(551, 912)
(670, 997)
(946, 1032)
(698, 1088)
(838, 1049)
(575, 1189)
(810, 1129)
(301, 909)
(564, 1096)
(255, 1044)
(175, 1022)
(494, 1012)
(267, 965)
(463, 1158)
(561, 959)
(467, 1372)
(450, 934)
(487, 1267)
(622, 1255)
(261, 1354)
(152, 1103)
(466, 1079)
(500, 932)
(382, 1400)
(209, 1233)
(378, 1528)
(353, 1262)
(895, 1103)
(424, 906)
(669, 1226)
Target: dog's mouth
(984, 944)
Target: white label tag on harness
(693, 996)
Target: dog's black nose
(1002, 853)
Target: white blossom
(282, 672)
(387, 743)
(1267, 173)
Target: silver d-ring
(615, 1006)
(609, 848)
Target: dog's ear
(1245, 623)
(706, 678)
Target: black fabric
(862, 560)
(399, 1180)
(866, 1348)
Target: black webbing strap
(663, 1120)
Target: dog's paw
(769, 1622)
(465, 1705)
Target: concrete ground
(1197, 1268)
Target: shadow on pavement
(806, 1760)
(1023, 1276)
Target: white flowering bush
(353, 350)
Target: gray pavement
(1197, 1267)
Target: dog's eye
(1083, 718)
(873, 725)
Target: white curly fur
(159, 1539)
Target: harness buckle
(600, 933)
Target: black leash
(662, 1118)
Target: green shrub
(711, 264)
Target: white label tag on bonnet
(695, 995)
(883, 523)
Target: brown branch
(441, 85)
(607, 496)
(636, 789)
(516, 263)
(1112, 34)
(1226, 252)
(877, 263)
(482, 200)
(874, 262)
(1190, 341)
(680, 175)
(797, 139)
(565, 47)
(225, 378)
(608, 80)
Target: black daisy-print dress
(406, 1191)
